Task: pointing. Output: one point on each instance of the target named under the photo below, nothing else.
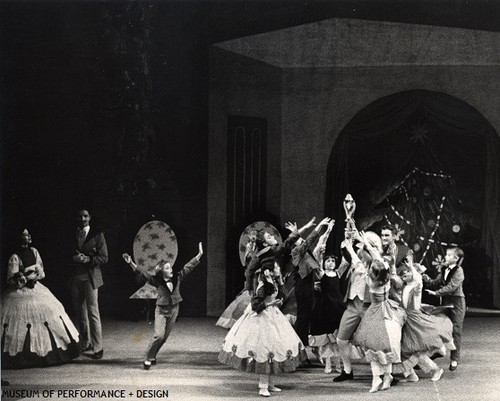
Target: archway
(437, 134)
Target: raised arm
(415, 269)
(309, 224)
(143, 276)
(189, 266)
(299, 251)
(128, 259)
(358, 266)
(319, 250)
(374, 253)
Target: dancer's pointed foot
(387, 381)
(436, 375)
(413, 377)
(376, 383)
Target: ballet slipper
(376, 383)
(387, 381)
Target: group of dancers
(367, 306)
(296, 296)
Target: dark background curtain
(434, 132)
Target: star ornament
(439, 261)
(399, 232)
(419, 134)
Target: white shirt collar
(86, 229)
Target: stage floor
(188, 369)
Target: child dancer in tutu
(262, 341)
(268, 247)
(423, 334)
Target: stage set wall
(239, 86)
(318, 103)
(315, 105)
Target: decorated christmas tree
(427, 213)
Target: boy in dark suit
(169, 298)
(449, 285)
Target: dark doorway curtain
(433, 132)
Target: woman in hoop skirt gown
(37, 332)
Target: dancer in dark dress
(326, 315)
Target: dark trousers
(304, 294)
(456, 315)
(165, 317)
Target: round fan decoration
(258, 226)
(154, 242)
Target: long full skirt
(425, 334)
(37, 331)
(379, 332)
(262, 343)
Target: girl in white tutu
(36, 329)
(262, 341)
